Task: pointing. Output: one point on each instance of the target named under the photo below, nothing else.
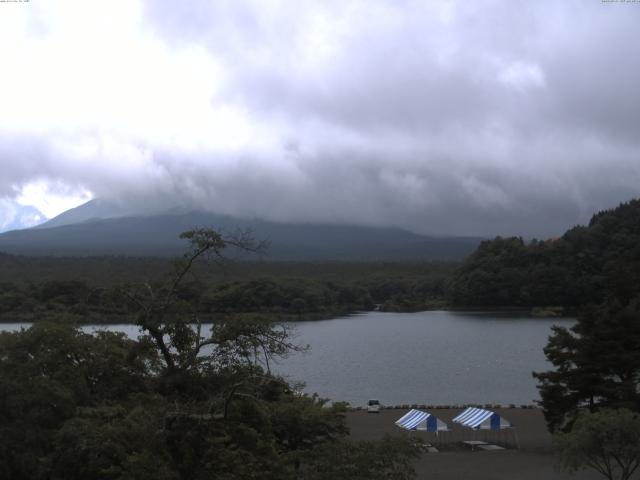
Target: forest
(183, 403)
(176, 403)
(89, 289)
(587, 265)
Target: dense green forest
(593, 270)
(596, 364)
(176, 403)
(587, 265)
(90, 288)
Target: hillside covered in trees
(587, 265)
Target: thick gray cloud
(470, 118)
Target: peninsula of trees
(587, 265)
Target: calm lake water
(435, 357)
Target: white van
(373, 406)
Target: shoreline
(534, 459)
(529, 426)
(454, 406)
(288, 318)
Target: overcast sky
(445, 117)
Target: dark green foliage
(280, 290)
(607, 441)
(388, 459)
(47, 374)
(492, 275)
(295, 296)
(597, 364)
(178, 403)
(587, 265)
(111, 442)
(68, 292)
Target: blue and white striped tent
(480, 419)
(419, 420)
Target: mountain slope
(96, 209)
(158, 235)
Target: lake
(434, 357)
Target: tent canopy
(481, 419)
(419, 420)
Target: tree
(607, 441)
(176, 403)
(108, 442)
(162, 315)
(597, 364)
(588, 264)
(51, 372)
(388, 459)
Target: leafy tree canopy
(596, 364)
(607, 441)
(177, 403)
(586, 265)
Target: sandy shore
(534, 459)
